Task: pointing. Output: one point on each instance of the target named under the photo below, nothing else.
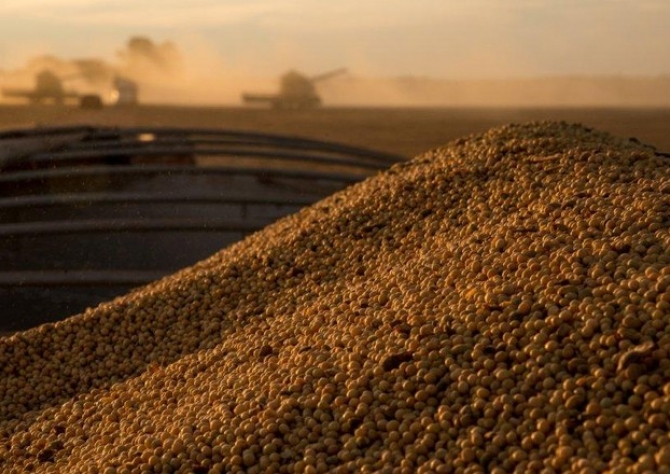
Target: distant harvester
(49, 89)
(297, 91)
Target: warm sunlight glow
(235, 46)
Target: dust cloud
(198, 76)
(530, 92)
(163, 72)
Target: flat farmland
(404, 131)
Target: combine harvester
(49, 89)
(296, 91)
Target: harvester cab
(49, 85)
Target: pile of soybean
(498, 305)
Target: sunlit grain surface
(499, 305)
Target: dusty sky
(433, 38)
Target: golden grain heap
(498, 305)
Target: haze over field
(398, 52)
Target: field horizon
(406, 131)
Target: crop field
(403, 131)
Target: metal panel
(88, 213)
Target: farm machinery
(49, 88)
(297, 91)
